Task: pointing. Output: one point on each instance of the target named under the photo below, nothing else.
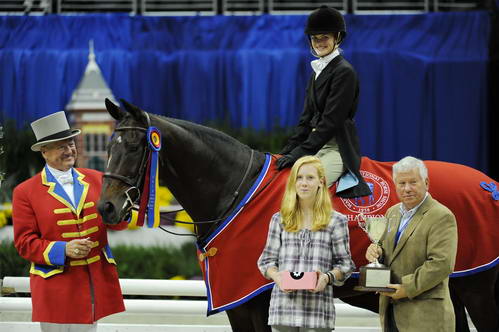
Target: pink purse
(298, 280)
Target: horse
(211, 175)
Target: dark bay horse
(209, 172)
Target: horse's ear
(114, 110)
(136, 112)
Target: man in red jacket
(57, 228)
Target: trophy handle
(362, 222)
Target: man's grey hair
(409, 163)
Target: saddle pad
(230, 254)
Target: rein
(221, 219)
(213, 222)
(200, 240)
(135, 183)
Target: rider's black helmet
(326, 20)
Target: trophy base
(374, 289)
(374, 278)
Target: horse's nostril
(108, 207)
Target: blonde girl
(306, 235)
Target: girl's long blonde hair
(290, 209)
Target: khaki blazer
(422, 261)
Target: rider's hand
(289, 159)
(287, 149)
(285, 161)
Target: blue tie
(401, 230)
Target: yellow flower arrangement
(5, 213)
(164, 196)
(3, 219)
(183, 216)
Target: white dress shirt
(406, 217)
(65, 179)
(321, 63)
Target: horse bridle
(136, 182)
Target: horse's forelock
(130, 120)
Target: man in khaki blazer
(419, 246)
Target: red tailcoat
(44, 221)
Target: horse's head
(127, 156)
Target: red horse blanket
(228, 257)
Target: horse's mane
(205, 134)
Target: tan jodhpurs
(331, 160)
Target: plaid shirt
(306, 251)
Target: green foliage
(11, 264)
(260, 140)
(133, 262)
(22, 162)
(157, 262)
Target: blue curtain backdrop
(423, 77)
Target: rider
(326, 127)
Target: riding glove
(289, 159)
(285, 161)
(287, 149)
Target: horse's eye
(133, 147)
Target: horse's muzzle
(108, 213)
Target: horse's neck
(203, 169)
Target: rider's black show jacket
(329, 110)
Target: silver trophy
(374, 277)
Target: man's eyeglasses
(62, 146)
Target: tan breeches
(332, 162)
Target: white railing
(179, 7)
(178, 315)
(228, 7)
(185, 288)
(277, 7)
(128, 287)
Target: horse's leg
(459, 312)
(260, 312)
(251, 316)
(497, 295)
(239, 318)
(478, 293)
